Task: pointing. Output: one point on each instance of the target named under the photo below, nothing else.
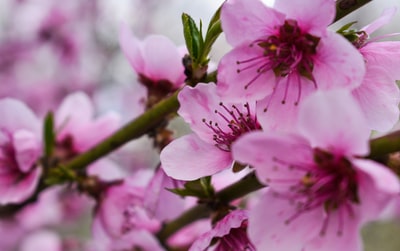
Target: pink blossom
(159, 202)
(216, 126)
(187, 235)
(76, 125)
(320, 191)
(46, 211)
(230, 233)
(121, 216)
(156, 59)
(20, 149)
(378, 95)
(283, 54)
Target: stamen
(237, 123)
(290, 52)
(329, 184)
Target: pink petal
(314, 22)
(116, 200)
(273, 155)
(161, 203)
(190, 158)
(92, 133)
(334, 121)
(106, 170)
(378, 185)
(27, 149)
(20, 190)
(246, 21)
(100, 237)
(231, 84)
(384, 54)
(75, 110)
(337, 63)
(138, 239)
(349, 240)
(233, 220)
(379, 99)
(43, 240)
(273, 115)
(268, 229)
(162, 60)
(16, 115)
(382, 177)
(131, 47)
(199, 103)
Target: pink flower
(159, 202)
(320, 192)
(77, 130)
(378, 95)
(76, 126)
(216, 126)
(122, 222)
(281, 55)
(20, 149)
(230, 234)
(156, 59)
(130, 213)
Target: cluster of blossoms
(290, 113)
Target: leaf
(201, 188)
(213, 31)
(346, 27)
(49, 134)
(205, 183)
(193, 37)
(215, 18)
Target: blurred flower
(20, 149)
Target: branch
(134, 129)
(237, 190)
(384, 145)
(345, 7)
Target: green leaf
(346, 27)
(213, 31)
(201, 188)
(205, 183)
(193, 37)
(49, 134)
(215, 18)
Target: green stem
(237, 190)
(195, 213)
(345, 7)
(384, 145)
(134, 129)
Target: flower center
(334, 181)
(331, 182)
(288, 51)
(238, 123)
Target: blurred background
(49, 49)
